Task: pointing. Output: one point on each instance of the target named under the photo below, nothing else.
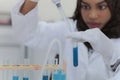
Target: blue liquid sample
(59, 75)
(25, 78)
(15, 78)
(45, 77)
(75, 56)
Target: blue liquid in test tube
(45, 77)
(75, 56)
(25, 78)
(59, 75)
(15, 78)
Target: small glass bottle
(59, 75)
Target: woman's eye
(102, 7)
(85, 7)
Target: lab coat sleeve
(116, 74)
(24, 24)
(32, 33)
(115, 65)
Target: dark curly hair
(111, 29)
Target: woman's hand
(28, 5)
(100, 42)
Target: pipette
(61, 11)
(70, 25)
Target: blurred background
(12, 52)
(45, 7)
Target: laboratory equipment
(48, 53)
(15, 77)
(59, 75)
(70, 25)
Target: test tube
(26, 72)
(15, 77)
(15, 73)
(46, 73)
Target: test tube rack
(29, 67)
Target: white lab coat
(91, 65)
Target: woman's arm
(24, 26)
(28, 31)
(27, 6)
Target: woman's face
(95, 13)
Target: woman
(93, 22)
